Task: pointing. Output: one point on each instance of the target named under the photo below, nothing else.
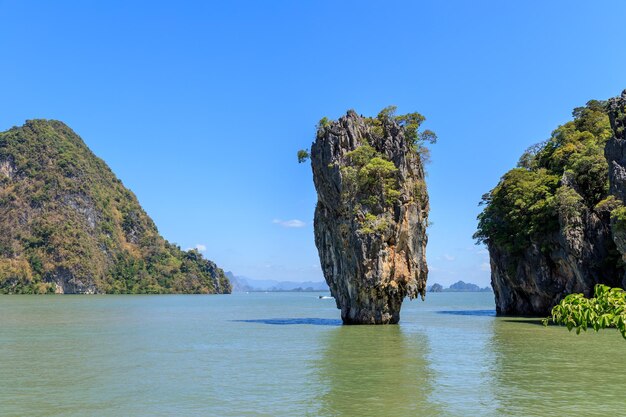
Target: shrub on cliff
(371, 178)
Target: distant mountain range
(244, 284)
(459, 286)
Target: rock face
(572, 244)
(371, 216)
(571, 260)
(615, 150)
(68, 225)
(615, 153)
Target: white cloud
(447, 257)
(199, 247)
(295, 223)
(485, 266)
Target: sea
(287, 354)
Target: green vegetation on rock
(607, 308)
(370, 178)
(618, 218)
(555, 178)
(67, 224)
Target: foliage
(382, 125)
(521, 206)
(618, 219)
(608, 204)
(526, 204)
(361, 155)
(606, 309)
(569, 205)
(324, 122)
(303, 155)
(372, 224)
(64, 210)
(378, 176)
(388, 113)
(420, 193)
(370, 181)
(409, 123)
(370, 178)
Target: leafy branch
(607, 309)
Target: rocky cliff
(549, 223)
(615, 152)
(372, 213)
(68, 225)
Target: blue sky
(200, 107)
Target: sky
(200, 107)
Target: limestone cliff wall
(615, 152)
(572, 260)
(585, 248)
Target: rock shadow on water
(479, 313)
(294, 321)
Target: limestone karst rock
(550, 223)
(68, 224)
(371, 214)
(615, 152)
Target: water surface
(287, 354)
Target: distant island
(458, 286)
(244, 284)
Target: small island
(372, 212)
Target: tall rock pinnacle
(372, 213)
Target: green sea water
(275, 354)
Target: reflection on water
(374, 371)
(486, 313)
(461, 357)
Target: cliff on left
(68, 225)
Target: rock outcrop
(371, 214)
(571, 260)
(549, 225)
(615, 152)
(68, 224)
